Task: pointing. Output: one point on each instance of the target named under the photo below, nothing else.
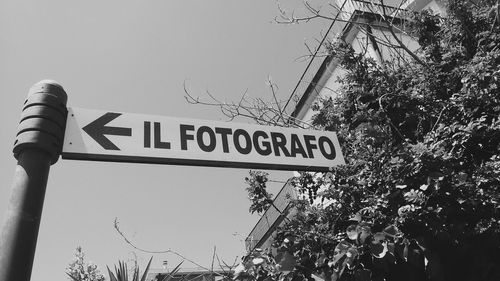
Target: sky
(135, 56)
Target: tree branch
(117, 228)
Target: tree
(80, 270)
(421, 140)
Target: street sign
(126, 137)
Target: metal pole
(38, 145)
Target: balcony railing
(271, 216)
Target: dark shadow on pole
(38, 145)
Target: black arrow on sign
(97, 129)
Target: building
(362, 24)
(187, 274)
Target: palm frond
(171, 274)
(121, 272)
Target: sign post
(127, 137)
(38, 145)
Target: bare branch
(229, 267)
(403, 46)
(439, 118)
(312, 59)
(311, 8)
(398, 10)
(170, 251)
(273, 92)
(260, 111)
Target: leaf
(414, 196)
(135, 277)
(170, 275)
(146, 270)
(112, 277)
(72, 277)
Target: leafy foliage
(258, 194)
(434, 130)
(422, 146)
(80, 270)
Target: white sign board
(126, 137)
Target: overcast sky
(134, 56)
